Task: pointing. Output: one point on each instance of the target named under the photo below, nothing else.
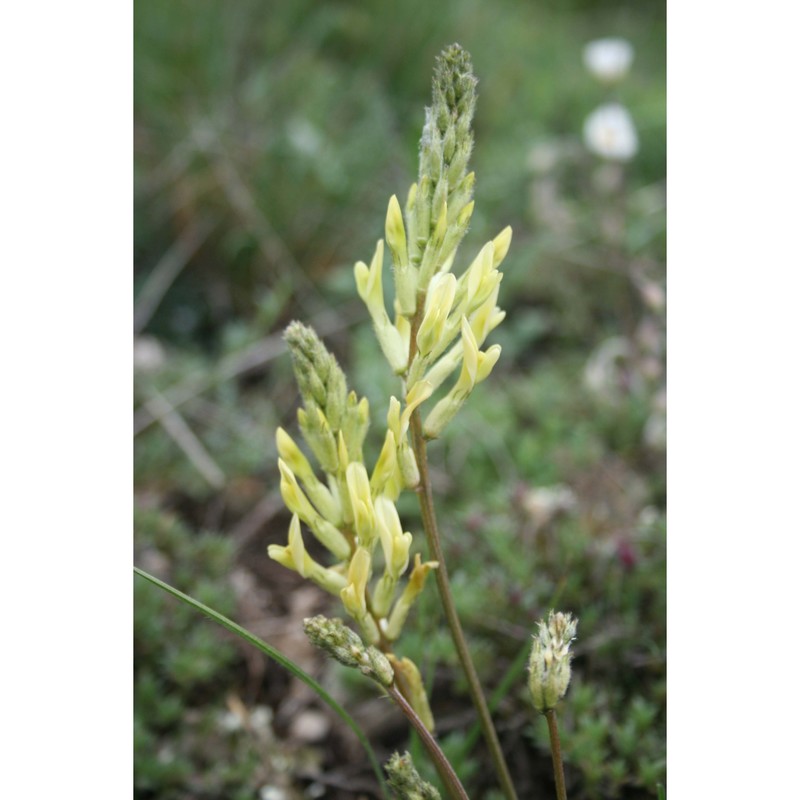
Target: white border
(65, 317)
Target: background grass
(269, 137)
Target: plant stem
(425, 495)
(443, 766)
(555, 749)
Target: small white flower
(609, 132)
(608, 59)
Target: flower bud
(394, 541)
(549, 663)
(385, 466)
(441, 226)
(415, 396)
(409, 469)
(296, 501)
(438, 303)
(293, 495)
(361, 502)
(317, 492)
(478, 271)
(465, 215)
(355, 424)
(319, 376)
(404, 274)
(354, 594)
(396, 232)
(486, 362)
(369, 282)
(406, 781)
(346, 646)
(501, 244)
(415, 584)
(333, 636)
(409, 682)
(422, 211)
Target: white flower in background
(608, 59)
(609, 132)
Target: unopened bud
(317, 432)
(438, 303)
(346, 646)
(319, 376)
(406, 781)
(394, 540)
(385, 466)
(354, 594)
(415, 584)
(501, 244)
(369, 282)
(549, 663)
(317, 492)
(409, 682)
(360, 494)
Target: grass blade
(275, 655)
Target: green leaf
(275, 655)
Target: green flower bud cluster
(336, 639)
(549, 664)
(350, 512)
(406, 782)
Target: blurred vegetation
(268, 139)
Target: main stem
(443, 766)
(555, 749)
(425, 495)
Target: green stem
(275, 655)
(425, 495)
(443, 766)
(555, 749)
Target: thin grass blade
(275, 655)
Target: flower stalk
(425, 495)
(555, 749)
(550, 673)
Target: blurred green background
(269, 137)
